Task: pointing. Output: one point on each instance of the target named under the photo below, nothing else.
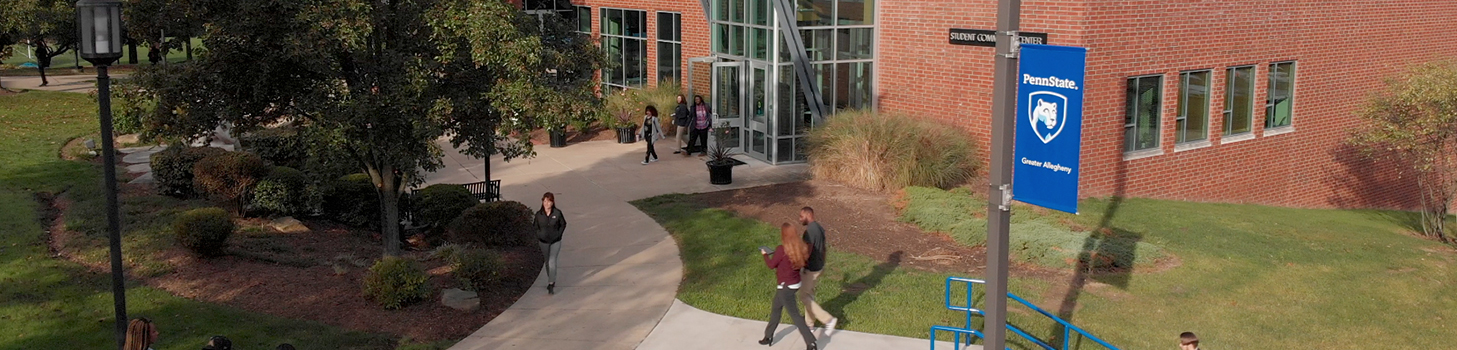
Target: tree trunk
(132, 51)
(188, 44)
(388, 185)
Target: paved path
(82, 83)
(620, 270)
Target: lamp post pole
(113, 215)
(999, 210)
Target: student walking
(682, 119)
(702, 119)
(814, 237)
(787, 259)
(141, 333)
(652, 131)
(550, 224)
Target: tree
(1415, 119)
(47, 25)
(379, 80)
(149, 22)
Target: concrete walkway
(81, 83)
(620, 270)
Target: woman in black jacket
(549, 227)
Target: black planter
(558, 138)
(627, 134)
(720, 173)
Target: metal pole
(113, 217)
(999, 211)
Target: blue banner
(1049, 126)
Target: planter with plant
(622, 112)
(720, 161)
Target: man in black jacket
(814, 235)
(682, 116)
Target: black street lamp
(98, 24)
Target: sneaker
(551, 289)
(830, 327)
(655, 159)
(678, 152)
(644, 162)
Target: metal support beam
(803, 71)
(999, 213)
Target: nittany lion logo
(1048, 113)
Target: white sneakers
(830, 327)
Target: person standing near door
(682, 118)
(550, 224)
(814, 236)
(652, 131)
(702, 119)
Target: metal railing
(970, 310)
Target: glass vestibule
(754, 88)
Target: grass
(65, 64)
(1251, 277)
(46, 302)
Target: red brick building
(1229, 101)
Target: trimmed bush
(477, 269)
(497, 224)
(280, 146)
(283, 191)
(395, 282)
(205, 231)
(172, 169)
(877, 151)
(351, 200)
(229, 176)
(438, 204)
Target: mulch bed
(593, 133)
(861, 222)
(317, 276)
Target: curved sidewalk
(619, 270)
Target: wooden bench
(485, 191)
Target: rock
(460, 299)
(128, 139)
(139, 168)
(288, 224)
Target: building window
(1141, 126)
(584, 19)
(1281, 95)
(1193, 120)
(624, 38)
(670, 45)
(1239, 100)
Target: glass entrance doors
(742, 102)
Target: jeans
(698, 140)
(652, 153)
(551, 250)
(812, 310)
(782, 299)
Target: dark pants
(652, 153)
(698, 140)
(782, 299)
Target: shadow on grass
(853, 290)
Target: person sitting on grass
(1188, 341)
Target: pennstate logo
(1048, 111)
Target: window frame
(676, 43)
(621, 35)
(1229, 100)
(584, 10)
(1270, 96)
(1181, 120)
(1136, 82)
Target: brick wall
(695, 32)
(1342, 48)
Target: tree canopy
(380, 80)
(47, 25)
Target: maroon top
(784, 269)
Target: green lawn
(1250, 277)
(65, 64)
(47, 302)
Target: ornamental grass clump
(880, 151)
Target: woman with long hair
(550, 224)
(787, 259)
(652, 131)
(140, 334)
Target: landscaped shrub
(229, 176)
(281, 146)
(438, 204)
(172, 169)
(1035, 238)
(477, 269)
(351, 200)
(395, 282)
(204, 231)
(878, 151)
(493, 224)
(283, 191)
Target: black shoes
(765, 341)
(551, 288)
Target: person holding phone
(787, 260)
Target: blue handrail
(970, 309)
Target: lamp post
(98, 24)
